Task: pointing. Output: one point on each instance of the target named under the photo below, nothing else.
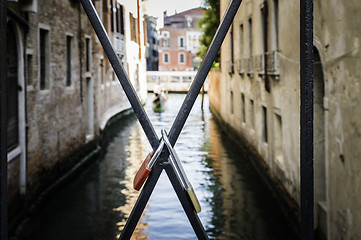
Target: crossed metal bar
(178, 123)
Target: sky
(157, 7)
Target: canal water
(96, 204)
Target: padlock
(142, 173)
(146, 167)
(181, 173)
(194, 199)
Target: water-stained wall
(264, 108)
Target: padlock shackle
(176, 162)
(156, 154)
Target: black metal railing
(3, 124)
(306, 119)
(177, 125)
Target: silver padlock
(181, 173)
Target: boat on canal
(159, 99)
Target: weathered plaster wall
(337, 104)
(337, 38)
(63, 123)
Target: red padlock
(142, 173)
(147, 167)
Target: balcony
(249, 63)
(273, 63)
(118, 43)
(241, 66)
(230, 67)
(259, 64)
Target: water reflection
(135, 152)
(96, 205)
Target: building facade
(61, 88)
(179, 41)
(258, 96)
(152, 43)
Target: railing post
(306, 119)
(3, 127)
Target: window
(165, 58)
(251, 112)
(243, 106)
(181, 58)
(111, 16)
(165, 39)
(241, 59)
(232, 50)
(87, 54)
(241, 41)
(44, 59)
(69, 40)
(120, 19)
(29, 69)
(278, 135)
(165, 42)
(250, 37)
(181, 42)
(263, 27)
(250, 67)
(264, 135)
(102, 71)
(232, 108)
(275, 26)
(133, 28)
(154, 53)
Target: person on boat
(159, 92)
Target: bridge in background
(172, 81)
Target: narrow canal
(95, 205)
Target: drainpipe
(265, 44)
(138, 13)
(80, 44)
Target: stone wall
(266, 114)
(63, 121)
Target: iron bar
(306, 119)
(186, 202)
(141, 202)
(145, 195)
(178, 123)
(3, 123)
(119, 71)
(203, 71)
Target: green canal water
(96, 204)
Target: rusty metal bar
(3, 123)
(306, 120)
